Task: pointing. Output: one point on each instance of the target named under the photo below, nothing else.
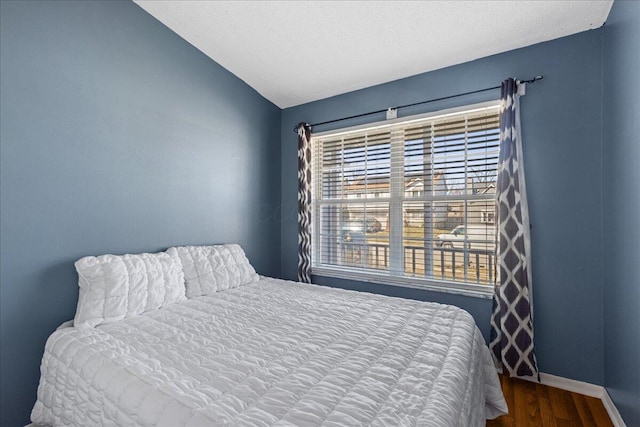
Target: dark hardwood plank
(583, 410)
(562, 405)
(507, 391)
(505, 420)
(598, 411)
(567, 423)
(546, 413)
(533, 404)
(527, 411)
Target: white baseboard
(572, 385)
(615, 416)
(587, 389)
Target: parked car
(370, 225)
(477, 236)
(373, 225)
(354, 230)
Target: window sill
(466, 289)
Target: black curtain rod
(533, 80)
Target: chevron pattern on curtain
(511, 343)
(304, 202)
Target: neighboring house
(478, 211)
(378, 187)
(370, 188)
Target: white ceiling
(294, 52)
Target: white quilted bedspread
(273, 353)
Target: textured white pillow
(209, 269)
(114, 287)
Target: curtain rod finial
(297, 127)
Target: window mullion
(466, 203)
(317, 197)
(428, 216)
(396, 246)
(367, 176)
(339, 253)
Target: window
(409, 201)
(488, 217)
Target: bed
(271, 352)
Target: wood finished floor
(532, 404)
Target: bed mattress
(273, 353)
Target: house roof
(382, 182)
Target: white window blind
(409, 203)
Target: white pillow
(209, 269)
(114, 287)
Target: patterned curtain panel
(304, 202)
(512, 321)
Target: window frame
(388, 277)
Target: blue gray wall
(117, 136)
(561, 118)
(621, 187)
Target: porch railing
(456, 264)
